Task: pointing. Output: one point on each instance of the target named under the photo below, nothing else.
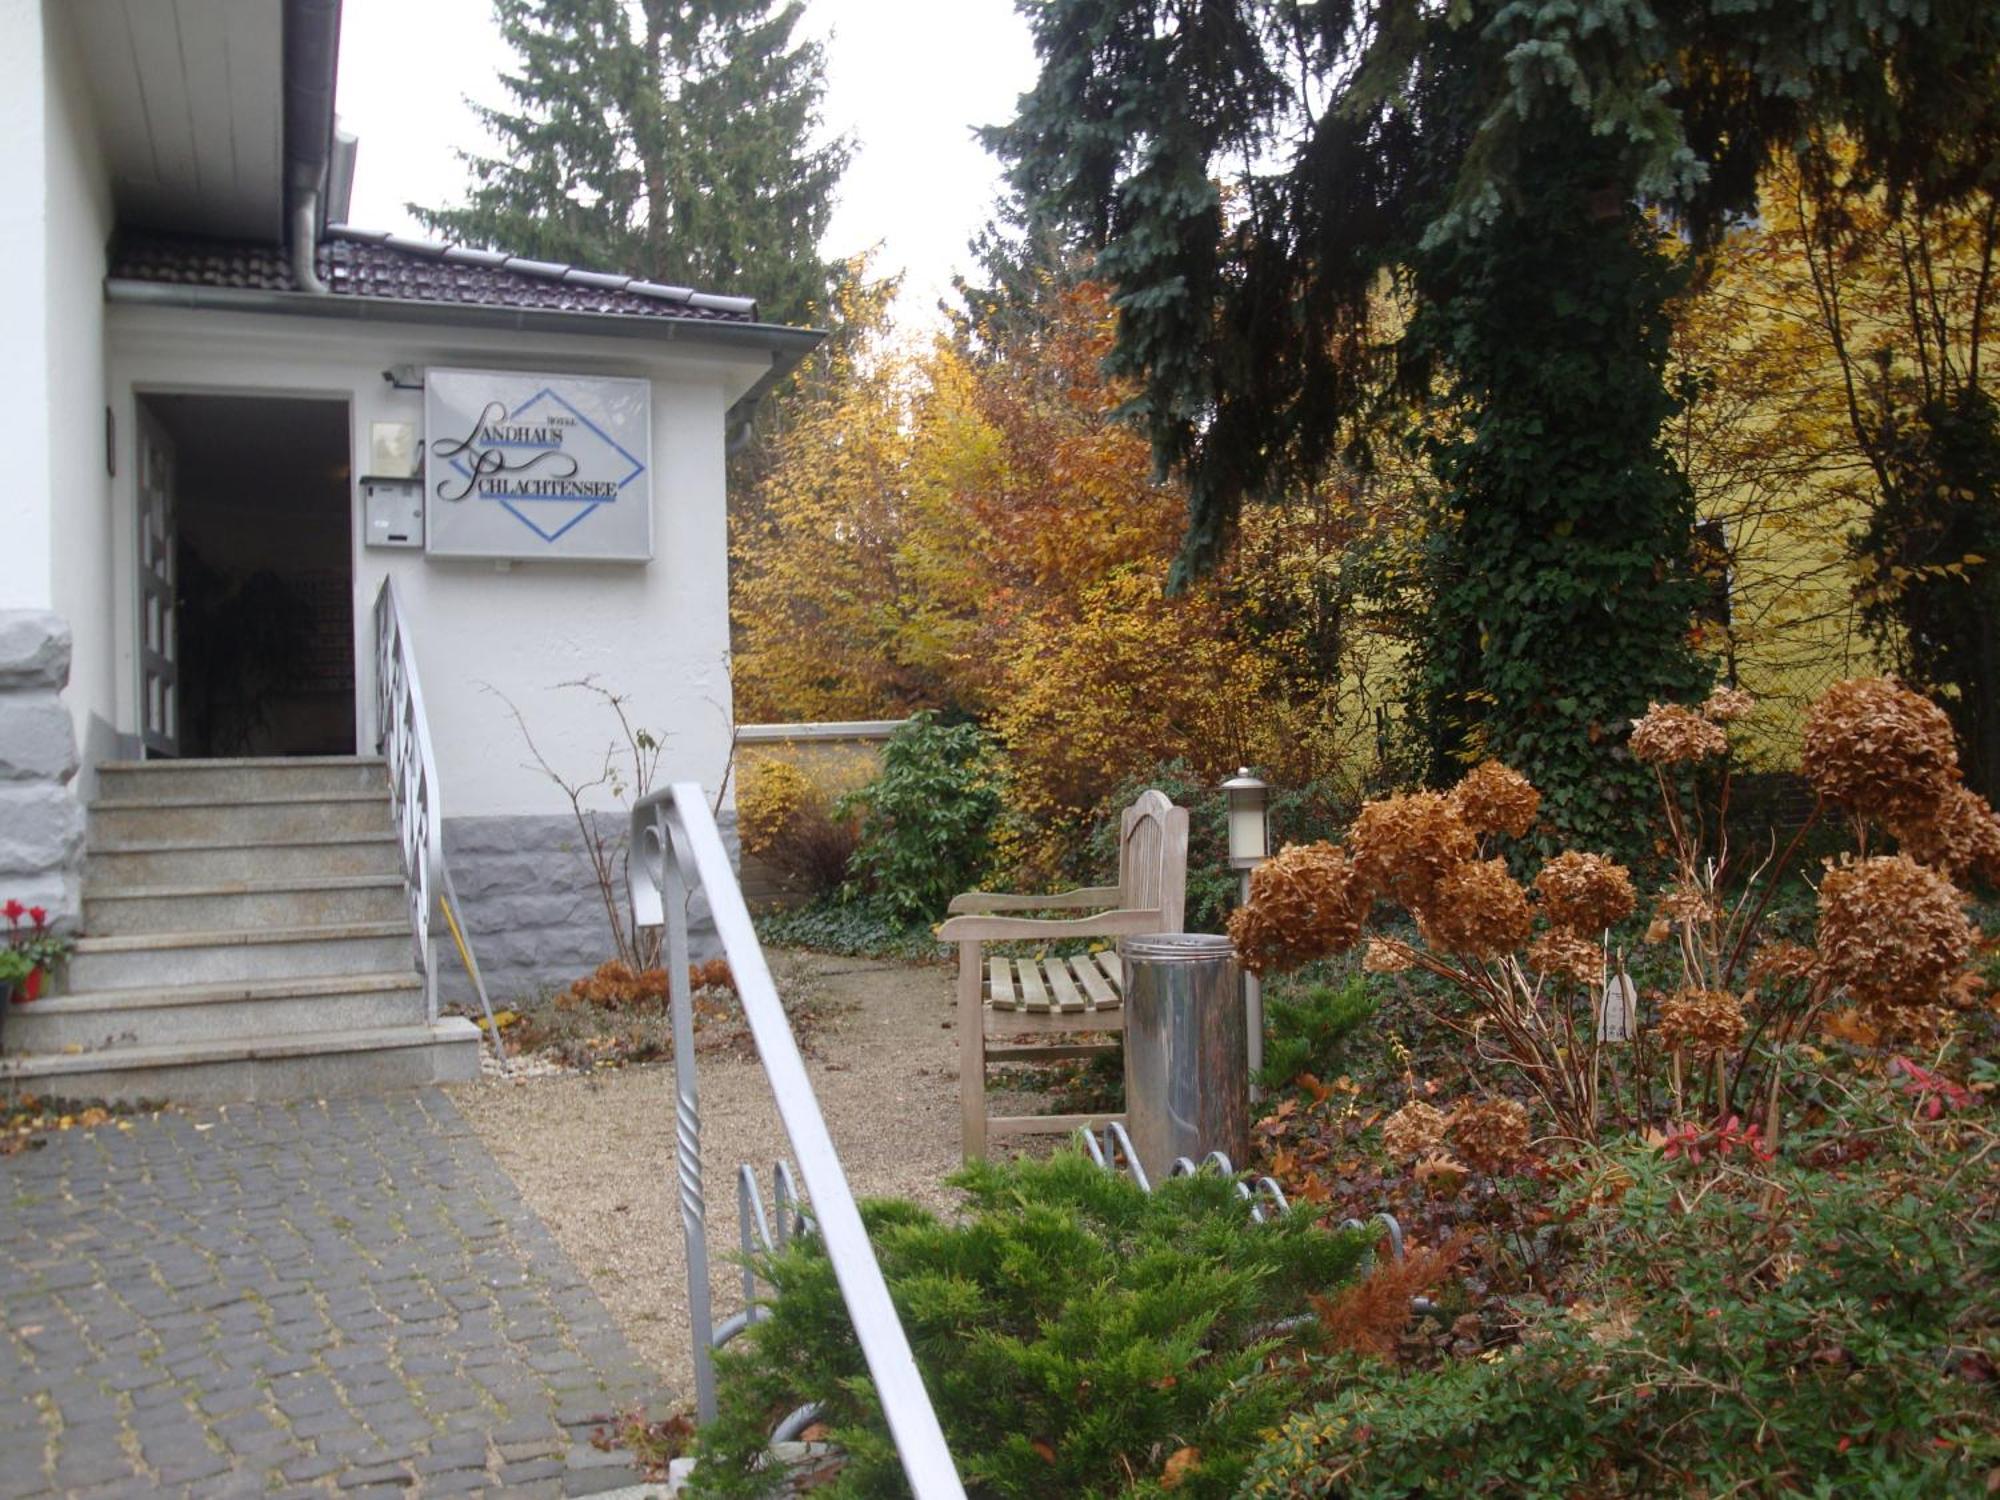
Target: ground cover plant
(1079, 1337)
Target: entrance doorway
(248, 500)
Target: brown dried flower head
(1892, 931)
(1878, 749)
(1957, 835)
(1727, 704)
(1494, 798)
(1413, 1131)
(1306, 902)
(1703, 1022)
(1585, 892)
(1490, 1136)
(1478, 911)
(1682, 903)
(1385, 958)
(1670, 734)
(1404, 845)
(1562, 954)
(1781, 963)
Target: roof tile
(361, 263)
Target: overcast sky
(907, 79)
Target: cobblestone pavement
(346, 1298)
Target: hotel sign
(537, 466)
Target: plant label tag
(1614, 1014)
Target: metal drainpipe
(312, 36)
(305, 244)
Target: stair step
(240, 820)
(106, 1020)
(196, 861)
(304, 776)
(308, 1065)
(112, 911)
(154, 960)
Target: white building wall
(657, 631)
(78, 226)
(26, 581)
(488, 633)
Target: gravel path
(593, 1154)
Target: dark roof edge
(787, 346)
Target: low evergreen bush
(1828, 1324)
(1079, 1337)
(1308, 1029)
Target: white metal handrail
(403, 739)
(676, 849)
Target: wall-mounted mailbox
(395, 511)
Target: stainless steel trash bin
(1187, 1073)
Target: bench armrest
(970, 928)
(992, 901)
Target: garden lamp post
(1249, 847)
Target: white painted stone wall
(41, 823)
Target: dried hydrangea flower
(1404, 845)
(1727, 704)
(1385, 958)
(1892, 931)
(1491, 1135)
(1478, 911)
(1306, 902)
(1494, 798)
(1704, 1022)
(1957, 835)
(1562, 954)
(1669, 734)
(1683, 903)
(1783, 963)
(1878, 749)
(1412, 1131)
(1585, 892)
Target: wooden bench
(1053, 996)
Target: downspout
(312, 45)
(305, 243)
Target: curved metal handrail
(403, 739)
(676, 849)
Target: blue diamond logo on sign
(516, 464)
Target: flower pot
(31, 987)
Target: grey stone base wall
(41, 821)
(531, 905)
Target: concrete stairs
(246, 939)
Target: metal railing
(403, 740)
(676, 849)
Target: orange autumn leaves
(969, 525)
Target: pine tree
(671, 139)
(1452, 223)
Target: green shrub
(927, 819)
(1307, 1030)
(1785, 1331)
(1075, 1334)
